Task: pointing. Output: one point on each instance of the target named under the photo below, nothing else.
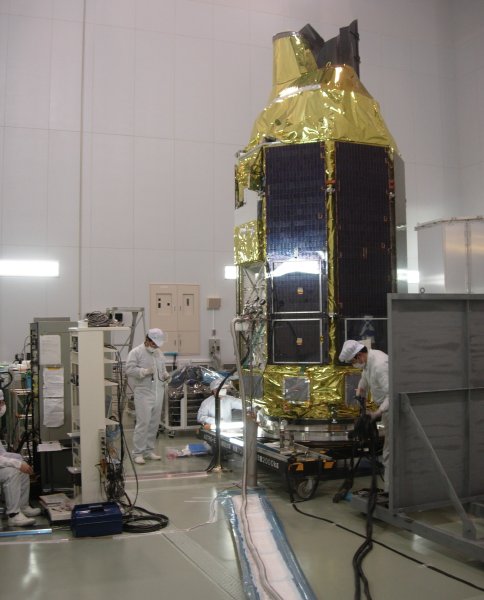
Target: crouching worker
(15, 480)
(206, 412)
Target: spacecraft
(319, 232)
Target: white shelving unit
(91, 365)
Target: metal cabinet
(92, 390)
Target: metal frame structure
(436, 344)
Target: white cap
(156, 336)
(350, 350)
(216, 382)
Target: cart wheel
(306, 487)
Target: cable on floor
(366, 430)
(381, 544)
(147, 522)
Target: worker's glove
(167, 379)
(146, 372)
(375, 415)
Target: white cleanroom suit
(206, 412)
(147, 375)
(16, 488)
(374, 379)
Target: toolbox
(101, 518)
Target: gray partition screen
(436, 349)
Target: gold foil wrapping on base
(327, 393)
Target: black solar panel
(365, 224)
(295, 200)
(296, 250)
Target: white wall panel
(111, 278)
(31, 8)
(27, 99)
(62, 292)
(154, 84)
(24, 218)
(399, 104)
(153, 14)
(111, 190)
(68, 10)
(195, 219)
(113, 80)
(17, 309)
(194, 89)
(231, 24)
(193, 19)
(66, 75)
(63, 189)
(428, 122)
(154, 191)
(263, 26)
(115, 13)
(3, 64)
(151, 266)
(233, 119)
(469, 140)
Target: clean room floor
(195, 555)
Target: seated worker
(15, 480)
(206, 412)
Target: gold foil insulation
(248, 243)
(327, 104)
(327, 390)
(292, 58)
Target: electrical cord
(366, 430)
(147, 522)
(30, 436)
(98, 319)
(382, 545)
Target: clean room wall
(169, 94)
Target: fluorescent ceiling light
(230, 272)
(29, 268)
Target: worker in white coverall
(15, 481)
(374, 379)
(206, 412)
(145, 366)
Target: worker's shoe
(20, 520)
(153, 456)
(28, 511)
(139, 460)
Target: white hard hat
(350, 350)
(156, 336)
